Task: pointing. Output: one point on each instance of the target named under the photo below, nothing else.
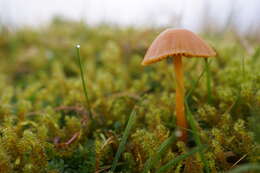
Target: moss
(42, 103)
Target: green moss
(42, 102)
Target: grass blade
(83, 81)
(196, 83)
(161, 150)
(192, 123)
(245, 168)
(122, 144)
(208, 81)
(191, 120)
(91, 159)
(178, 159)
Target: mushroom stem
(180, 111)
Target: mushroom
(176, 43)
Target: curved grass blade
(194, 85)
(83, 81)
(245, 168)
(122, 144)
(161, 150)
(192, 122)
(178, 159)
(196, 136)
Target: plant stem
(176, 160)
(208, 81)
(83, 81)
(180, 111)
(121, 148)
(192, 123)
(151, 162)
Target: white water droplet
(178, 133)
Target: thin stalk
(83, 81)
(208, 81)
(175, 161)
(122, 144)
(195, 84)
(160, 151)
(180, 109)
(192, 123)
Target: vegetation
(45, 125)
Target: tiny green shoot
(83, 81)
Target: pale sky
(131, 12)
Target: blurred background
(196, 15)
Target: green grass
(196, 136)
(122, 144)
(208, 81)
(83, 81)
(153, 159)
(173, 162)
(191, 120)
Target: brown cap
(177, 42)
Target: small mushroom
(176, 43)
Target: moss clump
(44, 126)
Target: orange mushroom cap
(173, 42)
